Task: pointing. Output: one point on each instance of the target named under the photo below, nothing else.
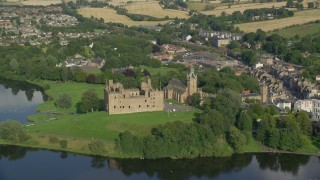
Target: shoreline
(82, 153)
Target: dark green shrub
(63, 144)
(97, 147)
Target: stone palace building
(119, 100)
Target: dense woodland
(221, 129)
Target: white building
(305, 105)
(186, 37)
(258, 65)
(309, 105)
(283, 105)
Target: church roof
(176, 85)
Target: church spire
(192, 73)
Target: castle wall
(119, 104)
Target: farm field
(124, 2)
(154, 9)
(110, 15)
(242, 7)
(40, 2)
(301, 31)
(199, 6)
(300, 17)
(34, 2)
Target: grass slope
(301, 31)
(100, 125)
(75, 90)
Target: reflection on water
(18, 100)
(72, 166)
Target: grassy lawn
(161, 70)
(80, 130)
(100, 125)
(75, 90)
(253, 146)
(302, 30)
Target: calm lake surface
(18, 100)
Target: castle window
(139, 106)
(153, 106)
(122, 106)
(114, 106)
(147, 105)
(115, 97)
(124, 96)
(129, 106)
(145, 100)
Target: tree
(14, 64)
(236, 139)
(91, 78)
(290, 136)
(290, 3)
(249, 37)
(311, 5)
(261, 36)
(273, 138)
(194, 100)
(215, 121)
(304, 123)
(13, 131)
(64, 101)
(249, 57)
(64, 74)
(81, 76)
(227, 103)
(244, 122)
(233, 45)
(89, 102)
(299, 6)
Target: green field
(301, 30)
(100, 125)
(161, 70)
(75, 90)
(97, 124)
